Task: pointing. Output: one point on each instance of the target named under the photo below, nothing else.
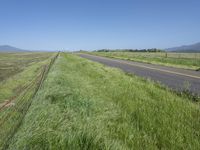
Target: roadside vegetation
(180, 60)
(85, 105)
(24, 75)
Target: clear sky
(97, 24)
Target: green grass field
(85, 105)
(13, 63)
(17, 70)
(180, 60)
(18, 85)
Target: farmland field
(18, 69)
(19, 82)
(180, 60)
(13, 63)
(85, 105)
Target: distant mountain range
(8, 48)
(186, 48)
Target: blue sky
(97, 24)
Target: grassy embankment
(180, 60)
(24, 74)
(85, 105)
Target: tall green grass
(13, 111)
(85, 105)
(180, 60)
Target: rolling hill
(8, 48)
(186, 48)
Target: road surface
(175, 78)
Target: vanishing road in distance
(175, 78)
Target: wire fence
(157, 54)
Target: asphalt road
(174, 78)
